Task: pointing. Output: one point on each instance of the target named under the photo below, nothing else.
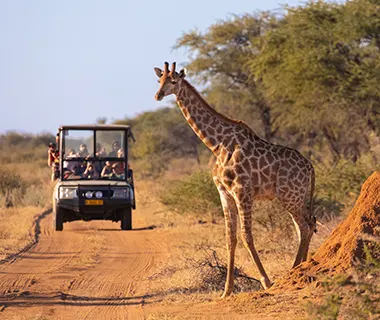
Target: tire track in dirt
(36, 236)
(47, 255)
(88, 271)
(116, 277)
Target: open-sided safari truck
(95, 181)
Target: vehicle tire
(126, 219)
(58, 219)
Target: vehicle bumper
(79, 205)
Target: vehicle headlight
(67, 193)
(98, 194)
(120, 193)
(88, 194)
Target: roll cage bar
(95, 128)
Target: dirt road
(89, 271)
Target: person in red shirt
(53, 154)
(53, 160)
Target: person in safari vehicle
(90, 172)
(115, 148)
(53, 160)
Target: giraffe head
(168, 80)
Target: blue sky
(71, 62)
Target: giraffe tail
(311, 203)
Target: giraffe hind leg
(245, 213)
(304, 236)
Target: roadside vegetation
(25, 188)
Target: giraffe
(247, 168)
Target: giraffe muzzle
(159, 95)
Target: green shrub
(338, 187)
(353, 295)
(196, 193)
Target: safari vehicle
(94, 181)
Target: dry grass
(16, 229)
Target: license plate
(93, 202)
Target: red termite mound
(345, 246)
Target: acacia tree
(320, 71)
(219, 60)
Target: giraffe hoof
(265, 282)
(225, 295)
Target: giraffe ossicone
(247, 168)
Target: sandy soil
(88, 271)
(94, 270)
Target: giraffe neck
(213, 128)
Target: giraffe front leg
(230, 217)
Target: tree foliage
(320, 70)
(310, 77)
(161, 135)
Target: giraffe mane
(216, 113)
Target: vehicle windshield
(94, 155)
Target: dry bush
(210, 273)
(199, 270)
(12, 187)
(272, 217)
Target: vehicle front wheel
(126, 219)
(58, 219)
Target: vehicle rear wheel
(58, 219)
(126, 219)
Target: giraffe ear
(158, 72)
(182, 73)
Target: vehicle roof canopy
(95, 127)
